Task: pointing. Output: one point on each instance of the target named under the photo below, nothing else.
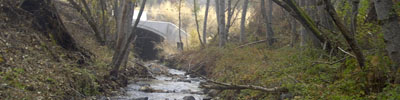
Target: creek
(167, 84)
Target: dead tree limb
(228, 86)
(346, 34)
(252, 43)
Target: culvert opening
(145, 45)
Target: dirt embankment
(33, 66)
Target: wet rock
(183, 80)
(142, 98)
(207, 98)
(189, 98)
(146, 89)
(195, 79)
(156, 70)
(186, 91)
(142, 84)
(171, 91)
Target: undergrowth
(307, 72)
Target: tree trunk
(371, 16)
(123, 31)
(265, 17)
(293, 26)
(304, 19)
(228, 20)
(391, 30)
(180, 44)
(126, 50)
(218, 17)
(346, 34)
(49, 22)
(197, 22)
(104, 24)
(89, 19)
(84, 2)
(354, 14)
(270, 31)
(242, 37)
(205, 23)
(221, 25)
(303, 30)
(117, 20)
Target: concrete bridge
(152, 33)
(168, 31)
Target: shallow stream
(172, 86)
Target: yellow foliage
(169, 12)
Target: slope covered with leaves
(33, 66)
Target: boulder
(146, 89)
(189, 98)
(186, 91)
(142, 98)
(183, 80)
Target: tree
(293, 26)
(354, 14)
(89, 18)
(242, 37)
(346, 34)
(205, 23)
(298, 13)
(197, 22)
(391, 30)
(267, 21)
(180, 44)
(221, 25)
(103, 6)
(270, 31)
(126, 36)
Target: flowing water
(172, 86)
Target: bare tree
(354, 14)
(126, 36)
(222, 32)
(346, 33)
(103, 6)
(205, 23)
(293, 26)
(89, 18)
(180, 44)
(197, 22)
(267, 21)
(298, 13)
(270, 33)
(391, 30)
(242, 37)
(231, 11)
